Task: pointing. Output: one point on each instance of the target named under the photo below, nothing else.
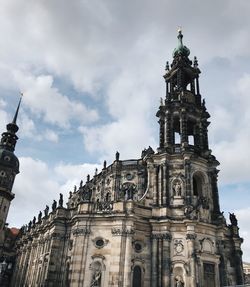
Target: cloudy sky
(91, 74)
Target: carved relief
(128, 191)
(178, 246)
(81, 231)
(86, 194)
(122, 231)
(164, 236)
(105, 206)
(207, 245)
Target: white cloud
(71, 175)
(51, 136)
(3, 115)
(38, 184)
(230, 132)
(45, 101)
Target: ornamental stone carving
(122, 231)
(178, 246)
(164, 236)
(81, 231)
(105, 206)
(190, 236)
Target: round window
(138, 246)
(129, 176)
(99, 243)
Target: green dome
(181, 49)
(8, 159)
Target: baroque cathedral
(154, 221)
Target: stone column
(128, 259)
(160, 186)
(162, 132)
(203, 134)
(164, 185)
(168, 130)
(155, 185)
(16, 278)
(191, 255)
(25, 264)
(183, 129)
(215, 193)
(159, 257)
(188, 180)
(154, 261)
(166, 260)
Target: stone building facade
(153, 221)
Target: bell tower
(184, 192)
(9, 168)
(183, 118)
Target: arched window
(137, 274)
(197, 184)
(195, 187)
(176, 127)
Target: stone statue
(177, 189)
(117, 156)
(96, 280)
(179, 281)
(104, 164)
(46, 211)
(61, 200)
(70, 194)
(40, 217)
(34, 220)
(81, 183)
(74, 188)
(147, 152)
(29, 225)
(233, 219)
(88, 178)
(161, 101)
(54, 204)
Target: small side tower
(9, 168)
